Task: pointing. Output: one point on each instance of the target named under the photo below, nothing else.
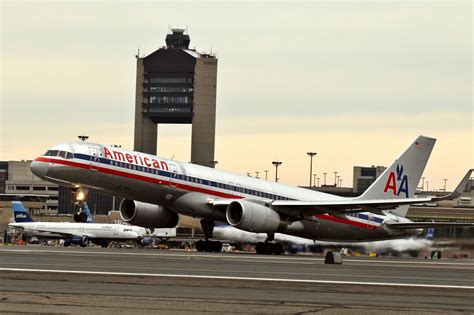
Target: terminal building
(177, 85)
(19, 180)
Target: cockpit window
(52, 153)
(63, 154)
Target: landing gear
(269, 247)
(80, 217)
(208, 245)
(80, 195)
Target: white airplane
(77, 233)
(157, 189)
(295, 244)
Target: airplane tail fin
(20, 214)
(400, 180)
(430, 234)
(87, 212)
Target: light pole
(314, 179)
(318, 182)
(214, 163)
(445, 180)
(256, 173)
(276, 163)
(325, 178)
(427, 187)
(335, 178)
(266, 174)
(423, 184)
(311, 154)
(337, 182)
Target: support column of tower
(145, 138)
(204, 112)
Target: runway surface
(43, 279)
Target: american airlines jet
(77, 233)
(156, 190)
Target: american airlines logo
(397, 184)
(135, 158)
(21, 216)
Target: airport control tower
(177, 85)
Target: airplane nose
(39, 168)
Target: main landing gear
(269, 247)
(208, 245)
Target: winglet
(459, 189)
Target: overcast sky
(355, 82)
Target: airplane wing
(425, 225)
(340, 207)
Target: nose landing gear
(80, 197)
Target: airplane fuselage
(112, 232)
(190, 189)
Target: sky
(354, 81)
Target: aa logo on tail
(397, 184)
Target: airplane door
(116, 229)
(94, 165)
(173, 175)
(370, 221)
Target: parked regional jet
(157, 189)
(77, 233)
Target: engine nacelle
(147, 215)
(252, 217)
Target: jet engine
(253, 217)
(147, 215)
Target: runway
(121, 280)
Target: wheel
(217, 246)
(260, 248)
(269, 248)
(200, 246)
(80, 217)
(208, 246)
(278, 249)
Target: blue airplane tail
(20, 214)
(430, 234)
(87, 212)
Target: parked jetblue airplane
(77, 233)
(156, 190)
